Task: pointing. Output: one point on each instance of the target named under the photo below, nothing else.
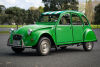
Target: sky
(25, 3)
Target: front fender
(37, 34)
(89, 35)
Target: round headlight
(29, 31)
(11, 30)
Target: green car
(54, 29)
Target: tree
(36, 15)
(41, 9)
(2, 14)
(32, 16)
(15, 15)
(54, 5)
(97, 15)
(89, 10)
(20, 16)
(2, 8)
(32, 8)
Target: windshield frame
(41, 16)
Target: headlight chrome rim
(29, 31)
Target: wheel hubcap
(89, 45)
(45, 46)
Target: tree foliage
(41, 9)
(54, 5)
(89, 10)
(15, 15)
(20, 16)
(2, 14)
(2, 7)
(97, 14)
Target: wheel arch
(89, 35)
(50, 37)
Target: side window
(85, 20)
(76, 20)
(65, 20)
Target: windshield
(48, 18)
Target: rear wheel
(44, 46)
(88, 46)
(17, 50)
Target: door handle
(59, 29)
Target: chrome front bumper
(21, 45)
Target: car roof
(60, 12)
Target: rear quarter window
(76, 20)
(85, 20)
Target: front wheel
(88, 46)
(44, 46)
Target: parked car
(54, 29)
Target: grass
(9, 26)
(14, 26)
(2, 32)
(95, 26)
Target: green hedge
(9, 26)
(95, 26)
(14, 26)
(4, 32)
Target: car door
(77, 26)
(64, 30)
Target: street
(73, 56)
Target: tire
(88, 46)
(43, 46)
(17, 50)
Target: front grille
(17, 37)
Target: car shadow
(25, 53)
(68, 50)
(53, 52)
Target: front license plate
(16, 42)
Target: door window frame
(79, 18)
(61, 17)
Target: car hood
(23, 30)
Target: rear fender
(89, 35)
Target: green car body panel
(60, 34)
(37, 31)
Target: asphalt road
(71, 57)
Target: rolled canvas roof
(59, 12)
(53, 12)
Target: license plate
(16, 42)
